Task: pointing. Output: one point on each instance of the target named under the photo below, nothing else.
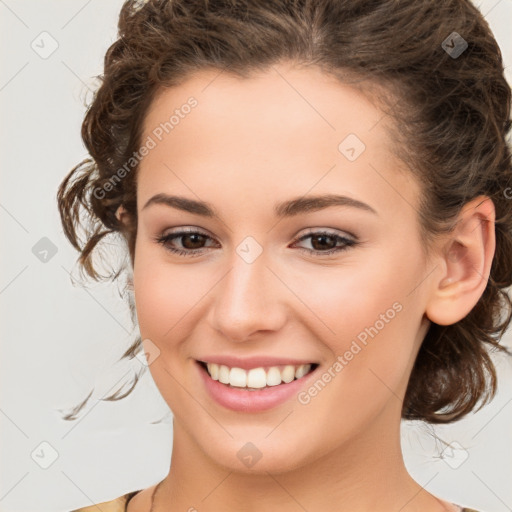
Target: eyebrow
(288, 208)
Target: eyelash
(165, 239)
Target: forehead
(283, 129)
(284, 99)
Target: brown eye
(324, 243)
(192, 242)
(195, 240)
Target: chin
(259, 457)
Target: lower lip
(243, 400)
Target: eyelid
(187, 229)
(309, 231)
(329, 231)
(348, 242)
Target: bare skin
(142, 501)
(247, 145)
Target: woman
(314, 199)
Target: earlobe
(465, 261)
(119, 213)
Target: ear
(465, 260)
(120, 212)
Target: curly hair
(451, 118)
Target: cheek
(346, 299)
(155, 309)
(164, 298)
(171, 301)
(161, 295)
(366, 313)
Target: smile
(257, 378)
(261, 385)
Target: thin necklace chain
(158, 485)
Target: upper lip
(248, 363)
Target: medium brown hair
(451, 118)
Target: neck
(365, 473)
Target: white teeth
(256, 378)
(302, 370)
(288, 374)
(223, 374)
(273, 376)
(213, 370)
(238, 377)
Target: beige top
(120, 504)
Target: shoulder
(116, 505)
(120, 504)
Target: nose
(249, 301)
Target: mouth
(256, 379)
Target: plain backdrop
(59, 341)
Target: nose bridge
(247, 300)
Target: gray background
(61, 340)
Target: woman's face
(259, 285)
